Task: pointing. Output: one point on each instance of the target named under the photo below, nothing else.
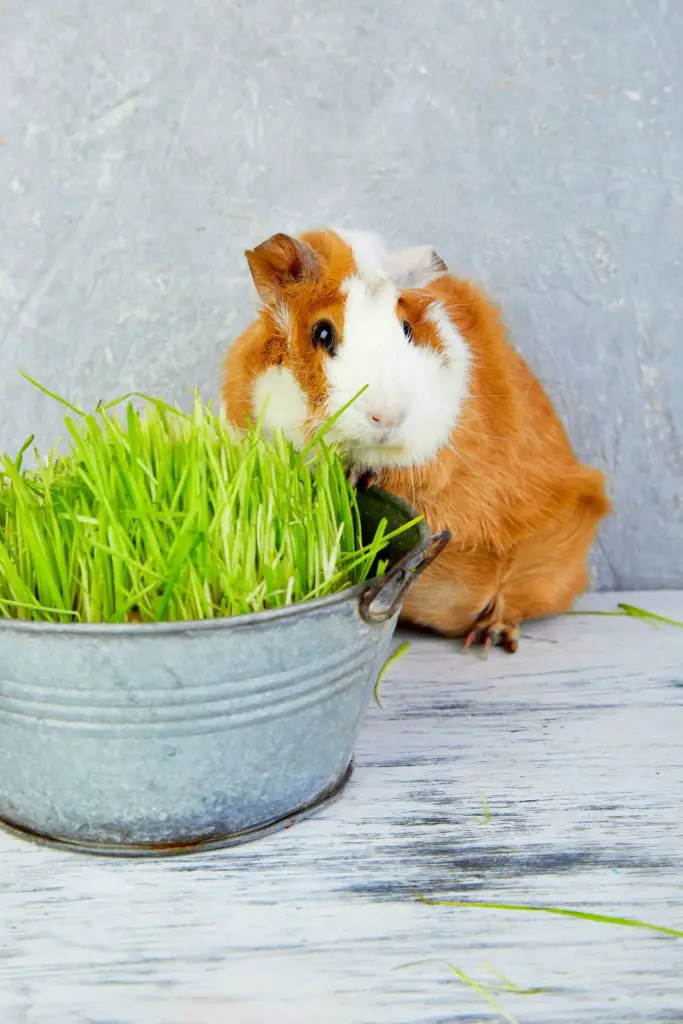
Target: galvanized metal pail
(139, 739)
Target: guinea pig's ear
(279, 261)
(415, 268)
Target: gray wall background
(537, 143)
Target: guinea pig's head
(342, 315)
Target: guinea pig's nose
(383, 420)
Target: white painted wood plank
(577, 745)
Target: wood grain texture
(576, 744)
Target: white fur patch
(409, 268)
(369, 251)
(456, 348)
(414, 394)
(415, 268)
(281, 317)
(287, 408)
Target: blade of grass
(483, 989)
(624, 610)
(51, 394)
(640, 613)
(487, 812)
(485, 994)
(22, 451)
(391, 660)
(329, 423)
(581, 915)
(158, 402)
(510, 986)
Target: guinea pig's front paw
(362, 479)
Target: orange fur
(523, 512)
(303, 299)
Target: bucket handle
(393, 586)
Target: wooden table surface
(575, 746)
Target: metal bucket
(134, 740)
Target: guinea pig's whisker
(412, 481)
(480, 433)
(472, 463)
(466, 455)
(471, 395)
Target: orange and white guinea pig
(451, 419)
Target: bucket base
(171, 849)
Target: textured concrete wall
(538, 145)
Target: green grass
(581, 915)
(153, 515)
(631, 611)
(486, 990)
(486, 817)
(391, 660)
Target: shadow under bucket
(168, 738)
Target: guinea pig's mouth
(376, 456)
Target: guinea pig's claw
(362, 479)
(495, 634)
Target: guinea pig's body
(452, 420)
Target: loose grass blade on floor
(391, 660)
(485, 818)
(485, 993)
(582, 915)
(485, 989)
(633, 612)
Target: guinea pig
(451, 419)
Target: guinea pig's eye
(407, 330)
(324, 336)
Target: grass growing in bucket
(155, 515)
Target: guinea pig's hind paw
(495, 634)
